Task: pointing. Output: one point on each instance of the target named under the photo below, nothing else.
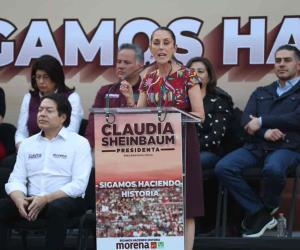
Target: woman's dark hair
(165, 29)
(54, 70)
(63, 106)
(173, 38)
(212, 83)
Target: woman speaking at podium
(172, 84)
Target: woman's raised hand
(126, 90)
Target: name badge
(112, 95)
(34, 156)
(59, 156)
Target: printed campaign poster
(139, 185)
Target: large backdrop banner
(139, 185)
(239, 37)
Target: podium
(140, 156)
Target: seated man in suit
(130, 59)
(50, 175)
(272, 119)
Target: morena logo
(153, 245)
(140, 245)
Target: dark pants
(208, 159)
(56, 214)
(274, 169)
(4, 175)
(9, 161)
(210, 189)
(6, 167)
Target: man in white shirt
(50, 175)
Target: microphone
(159, 108)
(107, 96)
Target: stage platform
(210, 243)
(270, 241)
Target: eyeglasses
(45, 78)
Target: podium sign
(139, 184)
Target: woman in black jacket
(217, 106)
